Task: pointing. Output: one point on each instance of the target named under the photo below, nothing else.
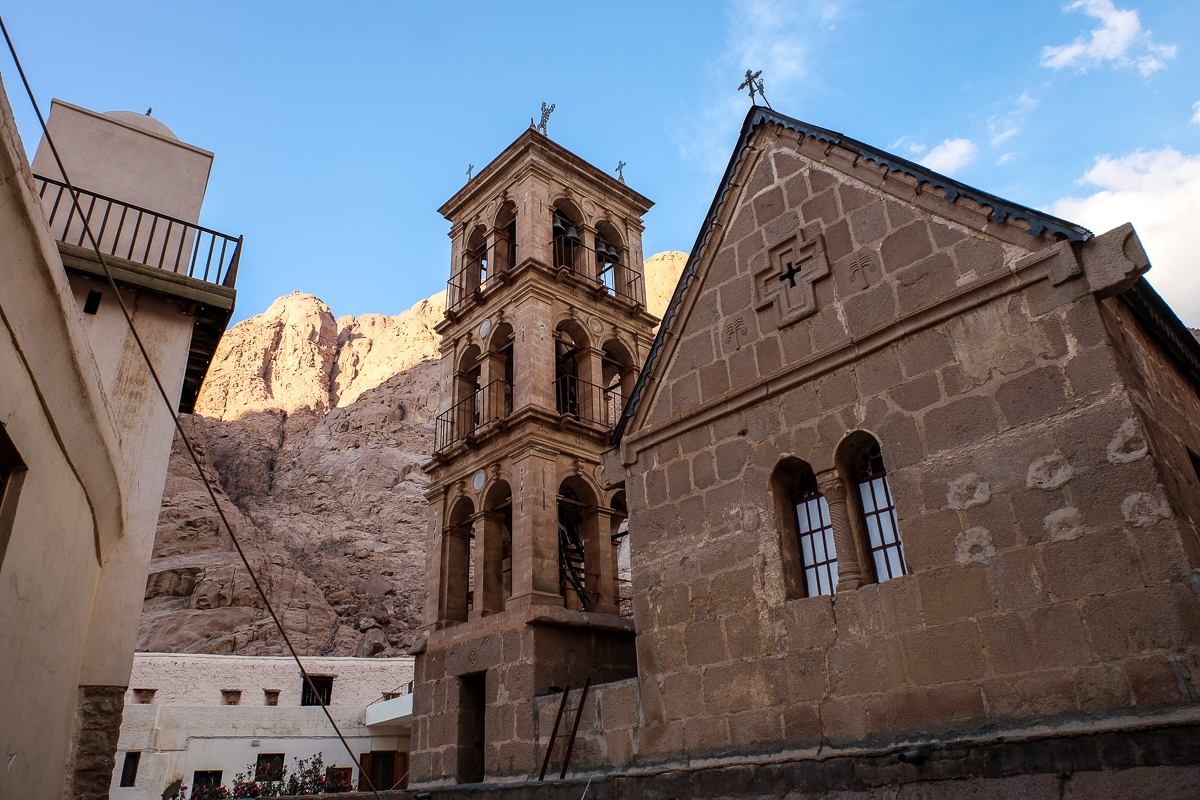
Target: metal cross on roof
(546, 112)
(620, 173)
(470, 169)
(754, 83)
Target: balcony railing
(140, 235)
(617, 278)
(481, 270)
(482, 406)
(588, 402)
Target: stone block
(980, 256)
(685, 394)
(1008, 645)
(695, 440)
(844, 719)
(809, 623)
(955, 593)
(679, 478)
(865, 666)
(1160, 782)
(1152, 680)
(871, 308)
(1099, 562)
(705, 734)
(907, 245)
(917, 394)
(838, 244)
(858, 613)
(944, 235)
(899, 214)
(1032, 396)
(1025, 787)
(769, 205)
(705, 643)
(900, 440)
(1102, 686)
(801, 723)
(768, 356)
(960, 423)
(820, 180)
(786, 164)
(704, 472)
(731, 458)
(796, 190)
(944, 654)
(929, 539)
(900, 601)
(1153, 618)
(1058, 635)
(868, 224)
(919, 285)
(1030, 695)
(925, 351)
(755, 726)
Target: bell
(602, 255)
(613, 255)
(573, 236)
(559, 228)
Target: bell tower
(545, 330)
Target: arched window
(618, 375)
(501, 347)
(567, 238)
(809, 553)
(457, 569)
(504, 253)
(885, 551)
(569, 343)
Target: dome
(143, 122)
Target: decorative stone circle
(479, 480)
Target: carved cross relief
(787, 280)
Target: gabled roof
(1001, 209)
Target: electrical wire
(171, 408)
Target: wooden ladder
(562, 707)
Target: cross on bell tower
(545, 330)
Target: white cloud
(1159, 192)
(1119, 39)
(1005, 159)
(1006, 126)
(950, 156)
(1196, 115)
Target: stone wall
(1049, 573)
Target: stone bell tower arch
(545, 326)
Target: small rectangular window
(231, 697)
(129, 768)
(324, 686)
(205, 777)
(269, 767)
(144, 696)
(92, 304)
(271, 697)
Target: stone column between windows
(850, 574)
(492, 378)
(456, 554)
(489, 563)
(605, 561)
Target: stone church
(909, 477)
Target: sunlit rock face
(312, 430)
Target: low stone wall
(1163, 763)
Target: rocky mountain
(314, 429)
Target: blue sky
(340, 129)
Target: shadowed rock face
(313, 431)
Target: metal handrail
(484, 405)
(156, 240)
(480, 271)
(618, 278)
(588, 402)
